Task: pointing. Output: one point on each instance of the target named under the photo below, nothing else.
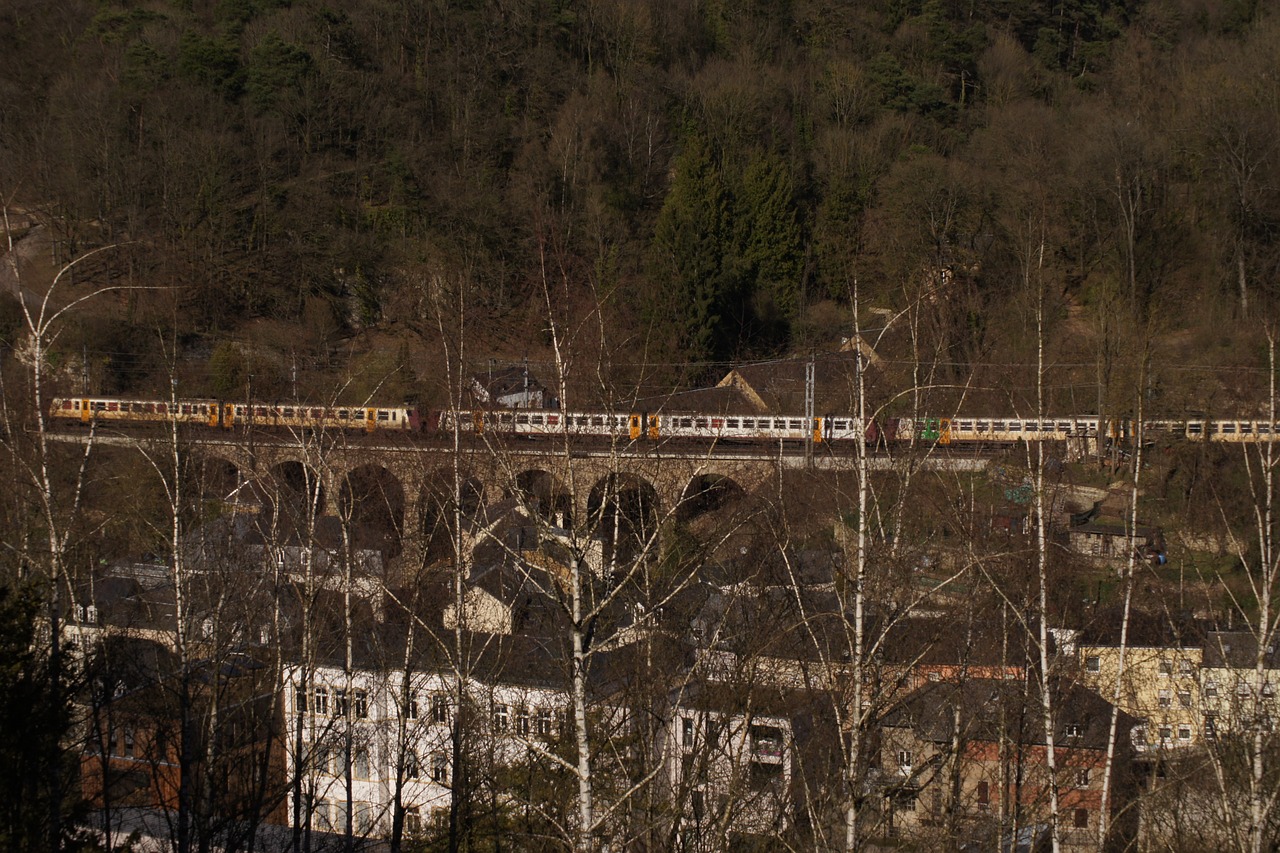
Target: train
(646, 426)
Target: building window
(1184, 698)
(300, 700)
(1074, 730)
(1166, 667)
(686, 732)
(127, 750)
(1185, 667)
(439, 708)
(321, 705)
(1081, 818)
(934, 675)
(364, 817)
(501, 717)
(360, 703)
(413, 821)
(904, 760)
(1242, 688)
(1166, 733)
(1165, 698)
(1210, 728)
(1082, 777)
(1184, 733)
(439, 768)
(1093, 663)
(1211, 689)
(411, 709)
(522, 721)
(411, 768)
(341, 706)
(360, 763)
(984, 795)
(544, 722)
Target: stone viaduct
(403, 481)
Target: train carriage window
(288, 412)
(149, 408)
(1195, 428)
(384, 415)
(186, 408)
(161, 409)
(997, 426)
(700, 423)
(796, 425)
(1015, 426)
(113, 407)
(522, 419)
(582, 420)
(1246, 429)
(1264, 429)
(535, 419)
(552, 420)
(262, 412)
(686, 422)
(597, 420)
(1228, 429)
(983, 426)
(505, 419)
(731, 423)
(1064, 426)
(395, 414)
(342, 414)
(317, 413)
(66, 404)
(966, 426)
(748, 423)
(841, 424)
(717, 423)
(135, 407)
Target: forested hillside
(300, 182)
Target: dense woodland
(1027, 208)
(691, 182)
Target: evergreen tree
(35, 718)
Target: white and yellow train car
(117, 410)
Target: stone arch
(708, 492)
(622, 509)
(543, 493)
(436, 507)
(372, 502)
(216, 478)
(296, 488)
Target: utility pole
(808, 413)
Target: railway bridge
(406, 486)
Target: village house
(1160, 683)
(510, 388)
(1234, 699)
(962, 762)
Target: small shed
(1107, 539)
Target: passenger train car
(212, 413)
(645, 426)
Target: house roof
(977, 708)
(1237, 650)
